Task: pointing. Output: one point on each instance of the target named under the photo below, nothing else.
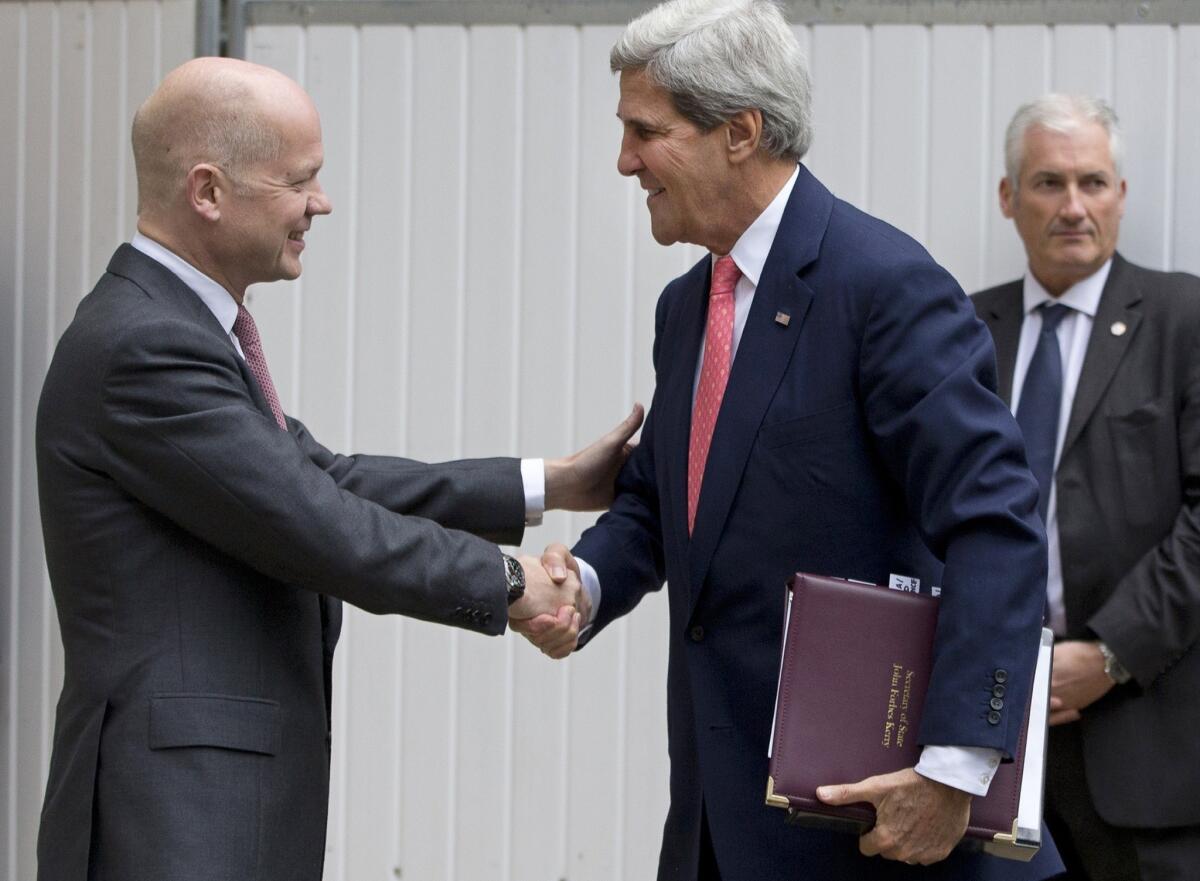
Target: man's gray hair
(1063, 114)
(719, 57)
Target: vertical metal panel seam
(158, 39)
(1048, 55)
(460, 372)
(89, 97)
(48, 342)
(1171, 157)
(572, 355)
(864, 147)
(514, 349)
(926, 190)
(1111, 36)
(406, 218)
(989, 152)
(122, 114)
(347, 659)
(352, 233)
(17, 446)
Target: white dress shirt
(967, 768)
(224, 308)
(1073, 332)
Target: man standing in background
(824, 403)
(200, 541)
(1100, 360)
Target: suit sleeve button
(697, 633)
(993, 718)
(997, 691)
(996, 704)
(1001, 675)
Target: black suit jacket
(1128, 484)
(196, 554)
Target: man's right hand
(555, 633)
(551, 608)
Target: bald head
(220, 111)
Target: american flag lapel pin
(783, 319)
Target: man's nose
(318, 202)
(1072, 209)
(628, 162)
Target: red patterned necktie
(247, 334)
(714, 374)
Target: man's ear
(1008, 199)
(207, 189)
(744, 133)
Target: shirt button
(996, 704)
(698, 633)
(985, 779)
(993, 763)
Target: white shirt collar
(1083, 296)
(218, 300)
(751, 249)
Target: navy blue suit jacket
(861, 438)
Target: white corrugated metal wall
(71, 75)
(486, 285)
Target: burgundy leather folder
(852, 683)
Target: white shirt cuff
(533, 476)
(591, 586)
(969, 768)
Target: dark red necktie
(247, 334)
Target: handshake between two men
(555, 576)
(555, 606)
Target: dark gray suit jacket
(1128, 484)
(198, 555)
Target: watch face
(515, 576)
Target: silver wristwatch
(1113, 668)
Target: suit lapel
(762, 358)
(1105, 349)
(677, 421)
(1003, 319)
(160, 283)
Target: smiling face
(1068, 205)
(271, 206)
(684, 170)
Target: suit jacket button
(993, 718)
(997, 691)
(698, 633)
(1001, 675)
(996, 704)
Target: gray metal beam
(798, 11)
(208, 27)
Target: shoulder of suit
(989, 296)
(1173, 291)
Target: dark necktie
(1041, 400)
(247, 333)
